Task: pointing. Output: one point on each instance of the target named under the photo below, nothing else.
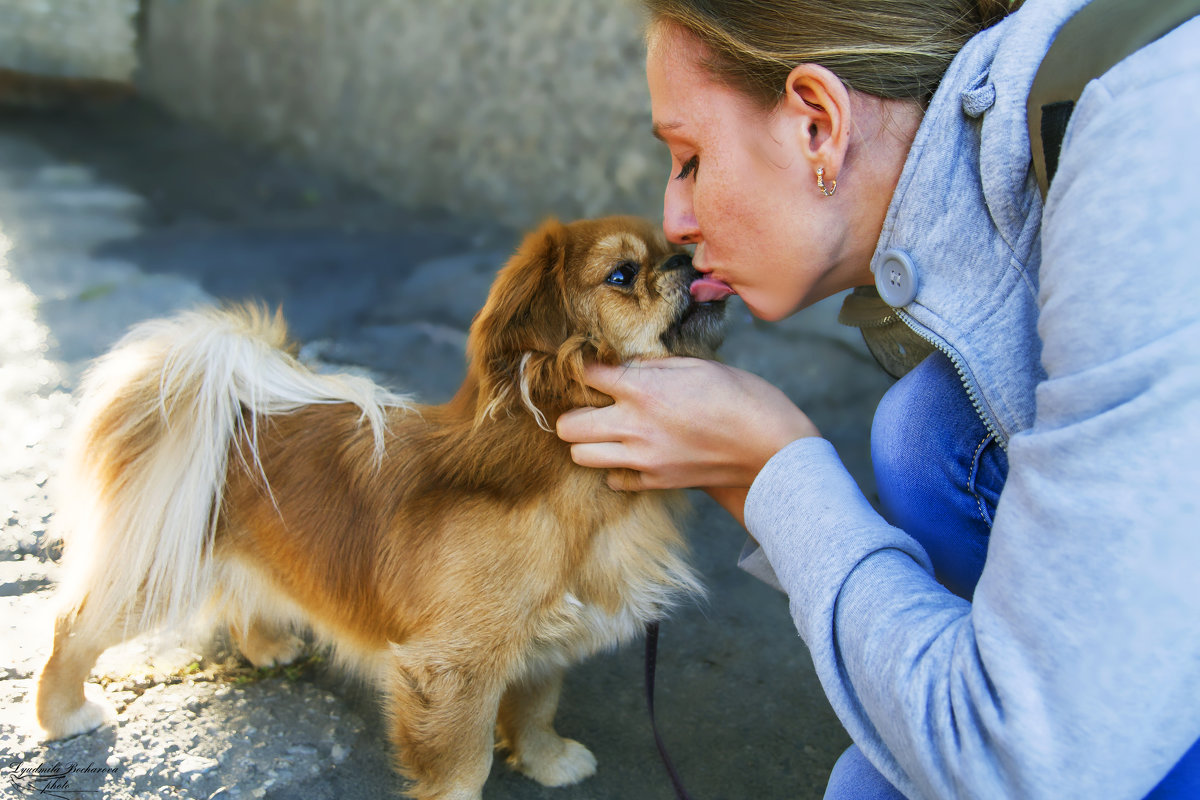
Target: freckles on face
(734, 180)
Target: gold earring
(821, 183)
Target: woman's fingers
(608, 379)
(680, 422)
(600, 455)
(590, 424)
(627, 480)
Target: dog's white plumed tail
(147, 466)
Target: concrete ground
(114, 213)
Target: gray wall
(509, 109)
(92, 39)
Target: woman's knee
(854, 778)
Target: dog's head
(609, 290)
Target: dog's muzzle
(700, 327)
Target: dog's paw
(94, 712)
(262, 652)
(560, 762)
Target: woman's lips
(710, 290)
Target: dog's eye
(624, 275)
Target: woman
(818, 146)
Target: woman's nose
(679, 220)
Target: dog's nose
(677, 261)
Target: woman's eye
(624, 275)
(689, 168)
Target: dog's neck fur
(493, 442)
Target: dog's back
(145, 473)
(147, 468)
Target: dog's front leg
(526, 723)
(442, 714)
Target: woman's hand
(680, 423)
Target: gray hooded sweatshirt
(1075, 671)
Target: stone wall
(90, 39)
(509, 109)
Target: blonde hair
(894, 49)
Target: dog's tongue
(709, 290)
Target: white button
(896, 278)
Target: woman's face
(740, 188)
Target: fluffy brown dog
(454, 555)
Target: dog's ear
(525, 310)
(524, 323)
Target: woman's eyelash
(689, 168)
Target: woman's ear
(817, 105)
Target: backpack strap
(1090, 43)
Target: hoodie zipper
(963, 376)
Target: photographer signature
(51, 779)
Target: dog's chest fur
(633, 571)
